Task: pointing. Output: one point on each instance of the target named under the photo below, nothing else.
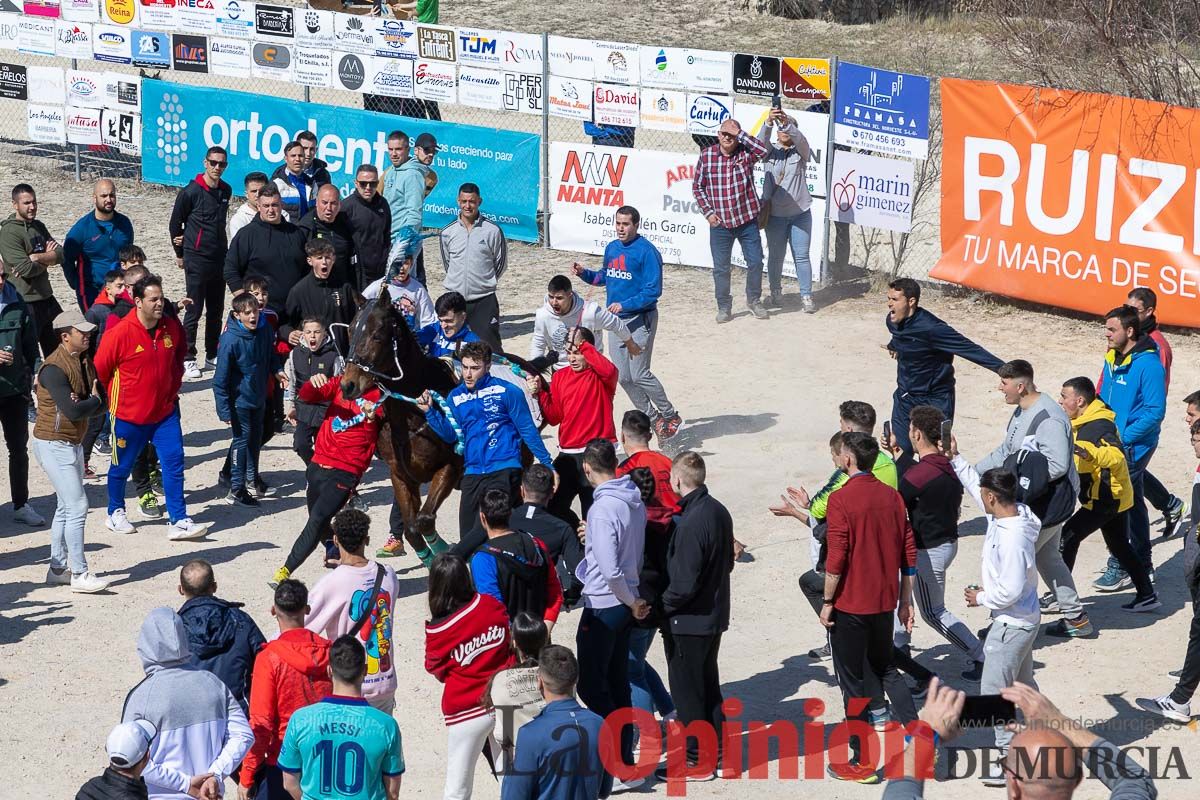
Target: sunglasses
(365, 184)
(217, 164)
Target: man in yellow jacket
(1105, 491)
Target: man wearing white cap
(65, 403)
(128, 749)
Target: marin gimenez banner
(181, 122)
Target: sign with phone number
(882, 111)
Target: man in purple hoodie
(612, 561)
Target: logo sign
(85, 89)
(157, 14)
(47, 84)
(813, 126)
(46, 124)
(78, 10)
(313, 67)
(73, 39)
(189, 53)
(571, 58)
(35, 35)
(480, 88)
(350, 73)
(570, 98)
(615, 63)
(708, 71)
(122, 130)
(872, 191)
(14, 82)
(392, 77)
(352, 34)
(478, 48)
(880, 110)
(521, 52)
(615, 105)
(523, 93)
(42, 8)
(706, 112)
(436, 44)
(434, 80)
(229, 57)
(234, 18)
(393, 38)
(663, 67)
(664, 110)
(111, 44)
(120, 12)
(273, 21)
(197, 16)
(272, 56)
(315, 29)
(805, 78)
(83, 125)
(122, 91)
(151, 49)
(756, 75)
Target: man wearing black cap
(128, 749)
(408, 199)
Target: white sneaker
(27, 515)
(87, 583)
(1166, 707)
(185, 530)
(117, 522)
(58, 577)
(627, 786)
(191, 370)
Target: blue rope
(460, 439)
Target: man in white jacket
(248, 210)
(565, 309)
(1009, 587)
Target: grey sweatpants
(1054, 572)
(1008, 658)
(644, 389)
(930, 593)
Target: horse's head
(374, 352)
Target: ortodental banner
(1069, 198)
(181, 122)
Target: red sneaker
(670, 427)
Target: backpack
(521, 575)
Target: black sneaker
(241, 498)
(223, 479)
(821, 653)
(975, 673)
(103, 447)
(261, 489)
(1173, 516)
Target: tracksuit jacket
(404, 191)
(463, 650)
(142, 370)
(699, 561)
(495, 420)
(276, 252)
(18, 336)
(199, 216)
(246, 360)
(1104, 483)
(550, 329)
(1134, 387)
(437, 344)
(933, 497)
(632, 275)
(91, 249)
(328, 300)
(224, 641)
(349, 450)
(201, 726)
(581, 403)
(371, 227)
(557, 756)
(925, 348)
(339, 234)
(297, 193)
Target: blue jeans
(646, 687)
(1139, 515)
(602, 644)
(796, 231)
(720, 243)
(247, 424)
(128, 442)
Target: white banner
(111, 43)
(615, 63)
(708, 71)
(160, 15)
(664, 110)
(353, 33)
(706, 112)
(434, 80)
(235, 18)
(10, 32)
(46, 123)
(85, 89)
(314, 29)
(73, 40)
(83, 125)
(229, 57)
(591, 182)
(479, 48)
(47, 85)
(480, 88)
(571, 58)
(35, 35)
(272, 60)
(813, 126)
(570, 98)
(523, 92)
(393, 38)
(197, 16)
(392, 77)
(872, 191)
(521, 52)
(80, 10)
(122, 130)
(663, 67)
(122, 91)
(313, 67)
(615, 105)
(350, 71)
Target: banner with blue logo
(181, 122)
(880, 110)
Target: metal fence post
(546, 140)
(78, 169)
(829, 156)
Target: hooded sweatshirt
(581, 403)
(1104, 483)
(550, 329)
(246, 360)
(201, 727)
(224, 640)
(1044, 427)
(199, 217)
(349, 450)
(933, 496)
(290, 672)
(276, 252)
(1133, 385)
(18, 239)
(323, 298)
(925, 348)
(612, 553)
(632, 275)
(404, 190)
(339, 234)
(339, 598)
(414, 291)
(1009, 572)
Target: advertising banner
(436, 44)
(390, 77)
(805, 78)
(80, 10)
(708, 71)
(47, 85)
(571, 58)
(478, 48)
(615, 105)
(1069, 198)
(615, 63)
(10, 32)
(111, 43)
(521, 52)
(664, 110)
(85, 89)
(46, 124)
(879, 110)
(254, 129)
(706, 112)
(151, 49)
(663, 67)
(813, 126)
(197, 16)
(235, 18)
(570, 98)
(14, 82)
(315, 30)
(157, 14)
(35, 35)
(757, 75)
(229, 57)
(480, 88)
(872, 191)
(83, 125)
(122, 130)
(120, 12)
(434, 80)
(73, 40)
(523, 92)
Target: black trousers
(1114, 528)
(473, 487)
(267, 430)
(862, 645)
(303, 440)
(205, 286)
(143, 465)
(14, 419)
(43, 313)
(97, 426)
(571, 484)
(328, 490)
(1189, 678)
(483, 318)
(695, 682)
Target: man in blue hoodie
(632, 276)
(494, 420)
(1132, 383)
(94, 243)
(924, 348)
(404, 187)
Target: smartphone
(776, 101)
(947, 432)
(987, 711)
(887, 433)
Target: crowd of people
(609, 525)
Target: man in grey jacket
(203, 734)
(475, 255)
(1039, 423)
(785, 194)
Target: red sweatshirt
(463, 651)
(581, 403)
(142, 370)
(658, 514)
(870, 543)
(349, 450)
(289, 673)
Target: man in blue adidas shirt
(341, 747)
(632, 276)
(446, 336)
(494, 419)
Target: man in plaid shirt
(724, 190)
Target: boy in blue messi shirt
(447, 336)
(341, 747)
(632, 276)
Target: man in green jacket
(28, 250)
(19, 362)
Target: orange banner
(1069, 198)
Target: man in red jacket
(580, 402)
(290, 672)
(344, 446)
(868, 571)
(140, 364)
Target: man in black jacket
(924, 348)
(269, 246)
(198, 234)
(318, 294)
(370, 219)
(326, 222)
(128, 748)
(695, 605)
